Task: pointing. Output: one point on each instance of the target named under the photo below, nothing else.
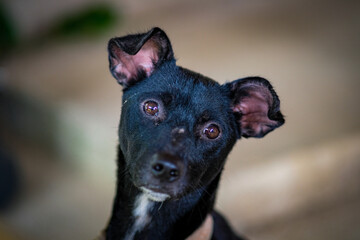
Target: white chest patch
(141, 214)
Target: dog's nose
(166, 167)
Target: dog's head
(177, 127)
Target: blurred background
(59, 110)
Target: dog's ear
(134, 57)
(256, 106)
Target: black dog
(176, 130)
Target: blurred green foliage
(8, 36)
(91, 21)
(88, 21)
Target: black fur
(187, 102)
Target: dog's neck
(135, 216)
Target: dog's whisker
(161, 204)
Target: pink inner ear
(129, 65)
(146, 57)
(254, 109)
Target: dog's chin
(155, 196)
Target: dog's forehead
(186, 84)
(188, 89)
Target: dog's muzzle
(155, 196)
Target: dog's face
(177, 127)
(176, 130)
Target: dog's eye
(151, 108)
(211, 131)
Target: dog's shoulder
(222, 229)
